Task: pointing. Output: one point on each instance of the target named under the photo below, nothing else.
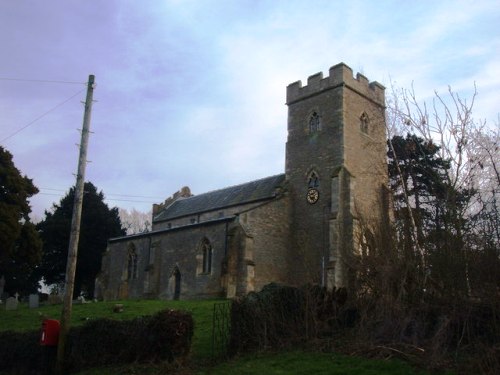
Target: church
(304, 226)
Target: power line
(39, 117)
(41, 81)
(126, 200)
(108, 194)
(134, 196)
(106, 199)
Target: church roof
(253, 191)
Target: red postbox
(50, 332)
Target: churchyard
(201, 360)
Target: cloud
(193, 93)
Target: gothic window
(314, 123)
(313, 181)
(132, 263)
(364, 121)
(206, 250)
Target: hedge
(164, 336)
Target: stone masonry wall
(158, 255)
(268, 226)
(365, 152)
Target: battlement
(339, 75)
(184, 192)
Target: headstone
(11, 303)
(34, 301)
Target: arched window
(132, 263)
(206, 250)
(314, 123)
(364, 121)
(313, 180)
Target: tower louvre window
(313, 181)
(314, 123)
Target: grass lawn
(25, 319)
(294, 362)
(305, 363)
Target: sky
(192, 92)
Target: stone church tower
(336, 171)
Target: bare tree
(134, 221)
(471, 148)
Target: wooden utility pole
(75, 231)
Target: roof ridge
(231, 187)
(262, 188)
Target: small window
(364, 121)
(193, 220)
(314, 123)
(169, 225)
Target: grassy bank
(295, 362)
(25, 319)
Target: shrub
(281, 316)
(20, 352)
(164, 336)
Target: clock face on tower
(312, 196)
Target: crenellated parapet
(184, 192)
(339, 75)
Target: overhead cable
(41, 116)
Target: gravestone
(11, 303)
(34, 301)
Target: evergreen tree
(417, 171)
(20, 245)
(421, 173)
(98, 224)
